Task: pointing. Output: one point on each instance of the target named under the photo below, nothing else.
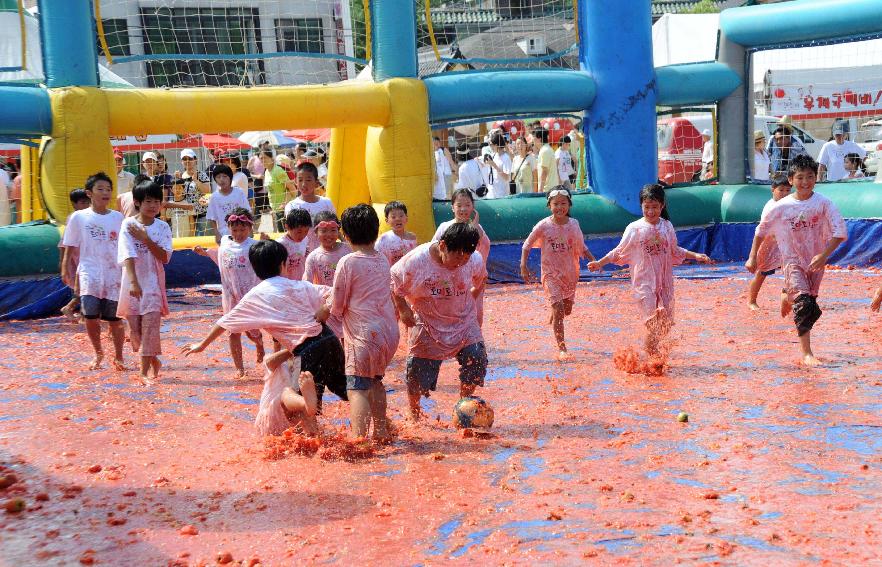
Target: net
(457, 36)
(180, 43)
(686, 139)
(803, 96)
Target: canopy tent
(210, 142)
(275, 138)
(310, 134)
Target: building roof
(501, 42)
(660, 7)
(447, 17)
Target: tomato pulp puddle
(777, 464)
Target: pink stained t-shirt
(394, 247)
(150, 270)
(297, 253)
(562, 245)
(483, 249)
(321, 266)
(441, 299)
(97, 237)
(362, 300)
(768, 255)
(651, 251)
(237, 275)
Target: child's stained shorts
(422, 373)
(650, 300)
(799, 281)
(144, 333)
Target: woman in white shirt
(762, 163)
(522, 168)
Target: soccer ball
(472, 411)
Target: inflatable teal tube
(29, 249)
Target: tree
(704, 7)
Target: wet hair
(854, 159)
(239, 212)
(267, 257)
(780, 179)
(147, 189)
(559, 188)
(222, 168)
(323, 216)
(802, 163)
(77, 195)
(655, 192)
(142, 177)
(542, 134)
(360, 224)
(461, 237)
(462, 192)
(95, 178)
(497, 139)
(307, 167)
(394, 206)
(297, 218)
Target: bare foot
(155, 367)
(260, 351)
(416, 415)
(145, 380)
(120, 365)
(96, 362)
(786, 306)
(307, 390)
(563, 356)
(810, 360)
(754, 307)
(240, 373)
(276, 359)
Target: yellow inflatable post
(399, 158)
(347, 176)
(79, 146)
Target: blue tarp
(44, 296)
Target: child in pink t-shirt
(463, 204)
(361, 299)
(395, 243)
(768, 256)
(649, 247)
(80, 200)
(298, 225)
(807, 227)
(434, 288)
(321, 264)
(237, 276)
(145, 246)
(562, 244)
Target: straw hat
(758, 135)
(786, 121)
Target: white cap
(486, 151)
(188, 153)
(149, 155)
(282, 159)
(705, 132)
(838, 128)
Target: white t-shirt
(564, 164)
(442, 172)
(470, 176)
(832, 157)
(149, 269)
(761, 164)
(97, 237)
(125, 181)
(323, 204)
(499, 187)
(220, 205)
(707, 154)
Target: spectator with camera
(498, 162)
(470, 175)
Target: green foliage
(704, 7)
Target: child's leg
(134, 331)
(472, 368)
(358, 388)
(91, 309)
(378, 410)
(302, 406)
(236, 353)
(118, 333)
(257, 338)
(755, 284)
(151, 346)
(658, 325)
(421, 376)
(805, 314)
(558, 312)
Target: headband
(555, 192)
(239, 218)
(327, 224)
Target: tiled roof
(463, 16)
(660, 7)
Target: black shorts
(322, 355)
(805, 313)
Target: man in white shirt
(444, 167)
(707, 155)
(125, 180)
(470, 174)
(831, 161)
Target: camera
(488, 157)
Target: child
(307, 183)
(463, 204)
(434, 288)
(80, 200)
(853, 163)
(298, 225)
(562, 244)
(362, 301)
(224, 200)
(768, 254)
(93, 234)
(649, 247)
(291, 311)
(808, 228)
(321, 264)
(395, 243)
(237, 276)
(145, 245)
(564, 159)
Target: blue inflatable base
(725, 243)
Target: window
(116, 34)
(203, 31)
(303, 35)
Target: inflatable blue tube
(801, 22)
(26, 112)
(616, 49)
(393, 39)
(67, 32)
(695, 83)
(455, 96)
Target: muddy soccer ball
(472, 412)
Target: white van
(768, 124)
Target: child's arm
(819, 261)
(217, 236)
(158, 251)
(700, 258)
(215, 332)
(65, 262)
(526, 274)
(404, 310)
(877, 300)
(597, 265)
(134, 285)
(754, 249)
